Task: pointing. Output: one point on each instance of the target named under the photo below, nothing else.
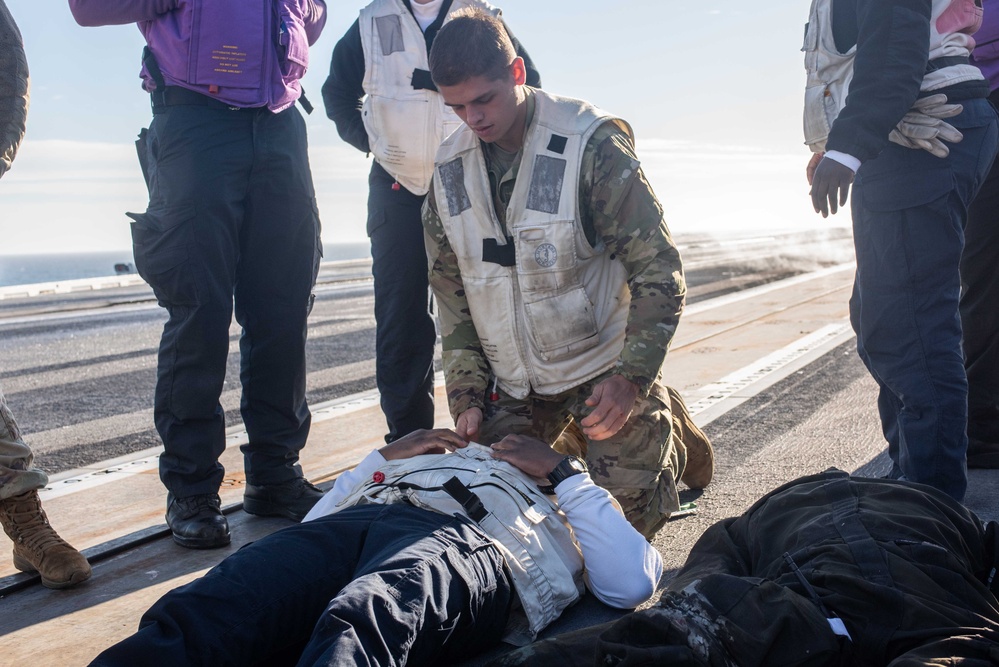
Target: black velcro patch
(422, 80)
(557, 144)
(494, 253)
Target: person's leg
(909, 210)
(639, 465)
(405, 333)
(889, 406)
(432, 590)
(980, 321)
(17, 475)
(185, 247)
(37, 547)
(279, 255)
(260, 601)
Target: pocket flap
(162, 218)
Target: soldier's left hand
(830, 186)
(612, 401)
(528, 454)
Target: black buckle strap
(173, 96)
(467, 499)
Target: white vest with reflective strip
(557, 317)
(405, 125)
(830, 72)
(525, 524)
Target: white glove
(922, 128)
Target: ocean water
(30, 269)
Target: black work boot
(197, 521)
(292, 499)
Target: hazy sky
(712, 89)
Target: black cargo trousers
(980, 316)
(900, 565)
(405, 334)
(232, 219)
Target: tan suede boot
(37, 547)
(700, 466)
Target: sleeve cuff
(844, 159)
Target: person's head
(479, 75)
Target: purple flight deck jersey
(246, 53)
(986, 53)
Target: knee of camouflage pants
(16, 473)
(639, 464)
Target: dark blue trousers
(405, 333)
(980, 308)
(232, 219)
(909, 214)
(371, 585)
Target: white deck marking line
(735, 388)
(82, 479)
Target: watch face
(577, 465)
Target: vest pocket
(562, 325)
(293, 44)
(223, 52)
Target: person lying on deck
(826, 570)
(428, 551)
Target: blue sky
(712, 89)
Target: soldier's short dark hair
(472, 43)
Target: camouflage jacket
(13, 88)
(617, 206)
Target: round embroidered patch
(378, 477)
(546, 255)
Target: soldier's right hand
(424, 441)
(468, 423)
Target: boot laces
(32, 527)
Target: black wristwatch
(566, 468)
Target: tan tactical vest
(552, 314)
(525, 524)
(405, 125)
(830, 72)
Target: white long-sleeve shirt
(622, 568)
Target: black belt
(172, 96)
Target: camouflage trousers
(16, 473)
(639, 465)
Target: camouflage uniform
(16, 474)
(639, 464)
(13, 88)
